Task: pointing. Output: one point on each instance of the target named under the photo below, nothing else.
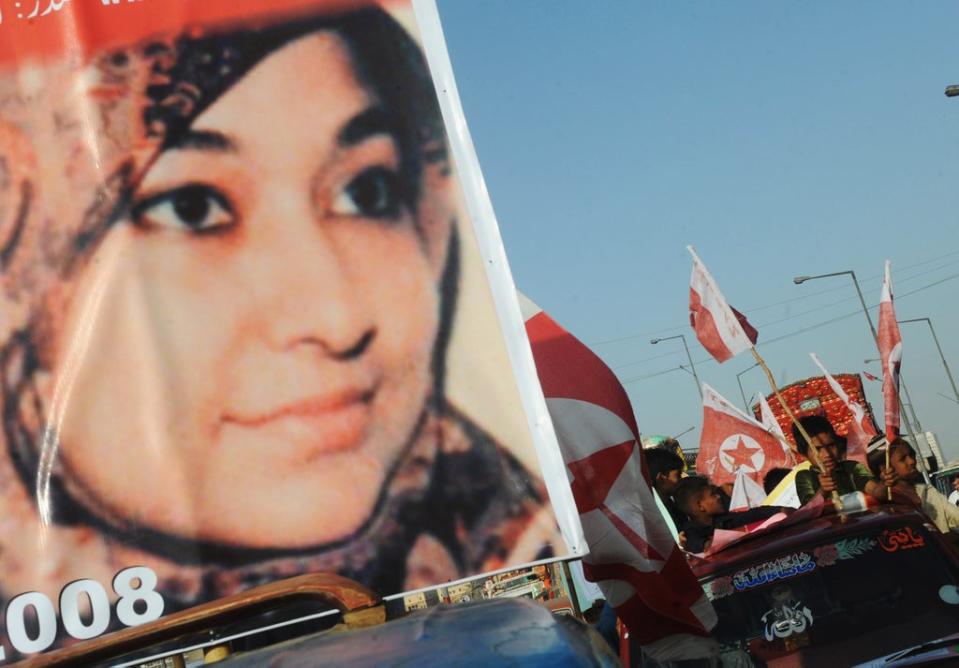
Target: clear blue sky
(778, 138)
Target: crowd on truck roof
(697, 507)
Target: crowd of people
(696, 507)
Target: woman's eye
(374, 193)
(195, 207)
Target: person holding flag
(911, 487)
(832, 473)
(890, 353)
(861, 430)
(889, 342)
(725, 333)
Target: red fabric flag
(861, 430)
(732, 440)
(633, 557)
(722, 330)
(890, 353)
(751, 332)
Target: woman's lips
(320, 424)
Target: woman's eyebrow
(373, 121)
(202, 140)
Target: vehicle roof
(803, 535)
(514, 631)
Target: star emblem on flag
(740, 450)
(633, 557)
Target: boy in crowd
(838, 474)
(954, 495)
(666, 472)
(703, 503)
(910, 484)
(773, 478)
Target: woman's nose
(313, 298)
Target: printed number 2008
(73, 624)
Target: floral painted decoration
(720, 588)
(826, 555)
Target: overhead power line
(765, 325)
(803, 330)
(900, 271)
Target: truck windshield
(838, 603)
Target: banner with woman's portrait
(255, 316)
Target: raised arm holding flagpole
(861, 430)
(725, 333)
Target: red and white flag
(769, 420)
(772, 425)
(890, 353)
(632, 554)
(722, 330)
(732, 440)
(861, 429)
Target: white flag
(772, 425)
(746, 492)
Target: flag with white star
(632, 555)
(732, 440)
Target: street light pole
(692, 367)
(745, 403)
(945, 365)
(798, 280)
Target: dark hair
(689, 492)
(876, 461)
(187, 75)
(195, 71)
(773, 478)
(660, 460)
(813, 424)
(877, 458)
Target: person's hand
(826, 483)
(682, 539)
(888, 477)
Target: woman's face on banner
(249, 353)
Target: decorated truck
(876, 587)
(814, 396)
